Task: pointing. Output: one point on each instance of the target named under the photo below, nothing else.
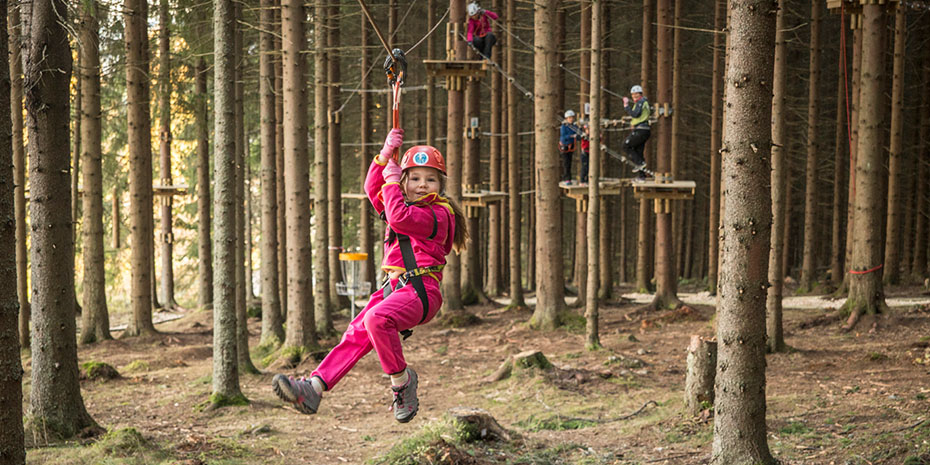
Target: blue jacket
(567, 135)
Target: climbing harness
(413, 274)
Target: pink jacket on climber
(414, 220)
(480, 27)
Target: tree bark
(896, 201)
(19, 171)
(919, 266)
(811, 212)
(773, 322)
(678, 214)
(513, 159)
(643, 242)
(204, 245)
(140, 168)
(225, 358)
(716, 127)
(11, 370)
(321, 275)
(272, 323)
(243, 244)
(334, 167)
(701, 371)
(592, 339)
(452, 274)
(95, 321)
(56, 405)
(280, 196)
(550, 283)
(866, 295)
(300, 332)
(366, 228)
(472, 292)
(853, 156)
(739, 417)
(580, 272)
(666, 275)
(76, 155)
(495, 269)
(164, 78)
(839, 163)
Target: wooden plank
(465, 68)
(354, 195)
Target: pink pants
(377, 326)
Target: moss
(220, 400)
(432, 437)
(459, 319)
(264, 351)
(136, 366)
(553, 423)
(254, 311)
(123, 442)
(572, 322)
(98, 371)
(469, 296)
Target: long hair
(460, 236)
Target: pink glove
(392, 170)
(626, 101)
(393, 141)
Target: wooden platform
(671, 190)
(482, 198)
(170, 190)
(460, 68)
(579, 192)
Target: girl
(422, 228)
(479, 29)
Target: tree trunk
(678, 214)
(893, 233)
(471, 268)
(550, 282)
(76, 155)
(580, 272)
(716, 126)
(773, 321)
(666, 275)
(301, 332)
(701, 371)
(56, 405)
(140, 168)
(513, 160)
(839, 160)
(204, 247)
(739, 417)
(366, 228)
(95, 321)
(11, 370)
(243, 289)
(495, 269)
(919, 267)
(811, 211)
(272, 323)
(853, 156)
(645, 219)
(452, 274)
(592, 339)
(280, 196)
(321, 294)
(225, 359)
(866, 294)
(19, 171)
(164, 78)
(334, 167)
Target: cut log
(502, 372)
(702, 367)
(480, 423)
(531, 359)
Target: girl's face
(421, 181)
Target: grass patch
(136, 366)
(123, 446)
(877, 357)
(572, 322)
(441, 350)
(422, 445)
(553, 423)
(263, 352)
(794, 427)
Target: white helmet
(473, 8)
(569, 114)
(637, 89)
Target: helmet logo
(420, 158)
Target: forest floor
(833, 398)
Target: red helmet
(423, 155)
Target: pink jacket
(414, 220)
(481, 26)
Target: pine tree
(776, 338)
(321, 275)
(811, 211)
(19, 171)
(272, 323)
(204, 245)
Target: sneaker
(297, 391)
(405, 403)
(640, 177)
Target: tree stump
(524, 360)
(702, 367)
(479, 423)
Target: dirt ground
(834, 398)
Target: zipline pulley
(395, 67)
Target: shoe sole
(282, 388)
(407, 420)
